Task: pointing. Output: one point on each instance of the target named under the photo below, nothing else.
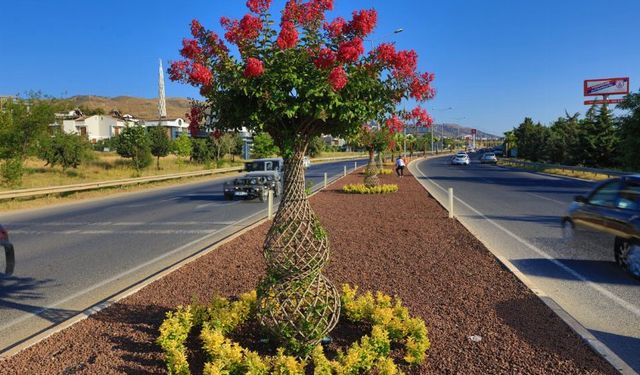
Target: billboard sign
(473, 131)
(606, 86)
(608, 101)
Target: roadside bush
(181, 147)
(362, 189)
(201, 151)
(66, 150)
(159, 142)
(11, 171)
(134, 143)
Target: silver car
(488, 158)
(608, 217)
(7, 260)
(460, 158)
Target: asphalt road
(71, 257)
(517, 215)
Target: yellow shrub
(385, 171)
(362, 189)
(286, 365)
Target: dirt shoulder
(402, 244)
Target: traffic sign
(473, 131)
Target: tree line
(599, 139)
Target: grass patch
(557, 171)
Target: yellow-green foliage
(362, 189)
(173, 334)
(385, 171)
(390, 321)
(286, 365)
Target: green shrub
(362, 189)
(11, 171)
(67, 150)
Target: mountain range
(142, 108)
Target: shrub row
(362, 189)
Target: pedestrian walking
(400, 166)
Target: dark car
(609, 216)
(7, 260)
(247, 188)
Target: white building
(96, 127)
(174, 126)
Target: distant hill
(450, 130)
(138, 107)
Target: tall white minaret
(162, 104)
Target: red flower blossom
(405, 63)
(336, 28)
(363, 22)
(394, 124)
(326, 58)
(200, 74)
(178, 70)
(254, 68)
(195, 116)
(350, 51)
(386, 53)
(421, 116)
(420, 87)
(239, 32)
(338, 78)
(191, 49)
(288, 35)
(306, 14)
(196, 28)
(258, 6)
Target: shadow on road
(628, 347)
(597, 271)
(552, 221)
(514, 181)
(15, 291)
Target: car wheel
(228, 197)
(9, 260)
(627, 254)
(568, 230)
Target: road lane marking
(149, 231)
(546, 198)
(119, 276)
(122, 223)
(621, 302)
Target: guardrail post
(355, 165)
(270, 205)
(345, 171)
(450, 203)
(325, 180)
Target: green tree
(263, 146)
(316, 146)
(308, 78)
(134, 143)
(531, 140)
(238, 144)
(67, 150)
(598, 140)
(182, 146)
(23, 124)
(201, 150)
(159, 142)
(629, 132)
(564, 141)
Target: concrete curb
(149, 280)
(597, 345)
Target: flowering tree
(305, 78)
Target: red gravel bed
(401, 244)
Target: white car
(306, 162)
(488, 158)
(460, 158)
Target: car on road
(7, 260)
(306, 162)
(273, 178)
(608, 217)
(461, 158)
(265, 164)
(247, 187)
(488, 158)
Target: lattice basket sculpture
(296, 302)
(371, 175)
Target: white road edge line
(597, 345)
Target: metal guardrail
(528, 164)
(27, 193)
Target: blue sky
(495, 61)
